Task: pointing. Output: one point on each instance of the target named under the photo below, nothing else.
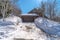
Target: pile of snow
(14, 19)
(10, 20)
(48, 26)
(4, 23)
(7, 27)
(6, 31)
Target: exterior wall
(28, 18)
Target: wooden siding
(28, 18)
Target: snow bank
(10, 20)
(6, 31)
(14, 19)
(7, 27)
(48, 26)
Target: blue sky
(27, 5)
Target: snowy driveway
(28, 31)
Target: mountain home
(37, 11)
(28, 17)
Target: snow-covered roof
(29, 15)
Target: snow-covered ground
(8, 26)
(10, 31)
(29, 31)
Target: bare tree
(43, 4)
(51, 8)
(5, 6)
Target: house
(37, 11)
(32, 15)
(28, 17)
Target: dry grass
(28, 28)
